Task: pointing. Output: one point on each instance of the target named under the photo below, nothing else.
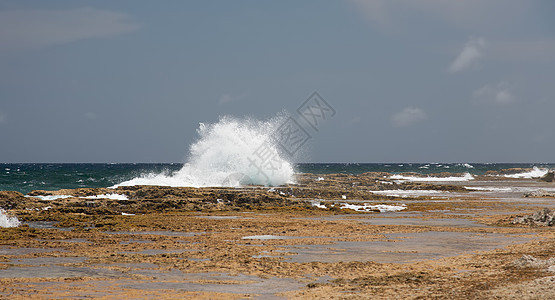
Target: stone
(544, 217)
(528, 261)
(548, 177)
(540, 194)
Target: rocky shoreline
(307, 240)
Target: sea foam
(379, 207)
(225, 155)
(107, 196)
(7, 221)
(409, 193)
(51, 197)
(466, 177)
(534, 173)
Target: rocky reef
(295, 241)
(145, 199)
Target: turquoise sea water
(27, 177)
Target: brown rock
(509, 171)
(10, 199)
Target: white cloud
(3, 117)
(90, 115)
(469, 56)
(513, 36)
(36, 28)
(227, 98)
(468, 15)
(408, 117)
(497, 94)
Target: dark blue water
(27, 177)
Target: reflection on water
(403, 247)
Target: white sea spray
(224, 155)
(7, 221)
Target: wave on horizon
(466, 177)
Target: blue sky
(411, 81)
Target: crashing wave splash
(7, 221)
(227, 153)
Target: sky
(410, 81)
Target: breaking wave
(534, 173)
(7, 221)
(466, 177)
(230, 152)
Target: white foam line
(380, 207)
(107, 196)
(51, 197)
(487, 189)
(318, 204)
(521, 189)
(466, 177)
(535, 173)
(407, 193)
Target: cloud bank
(37, 28)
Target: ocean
(231, 152)
(26, 177)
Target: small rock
(528, 261)
(544, 217)
(548, 177)
(540, 194)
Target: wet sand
(451, 240)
